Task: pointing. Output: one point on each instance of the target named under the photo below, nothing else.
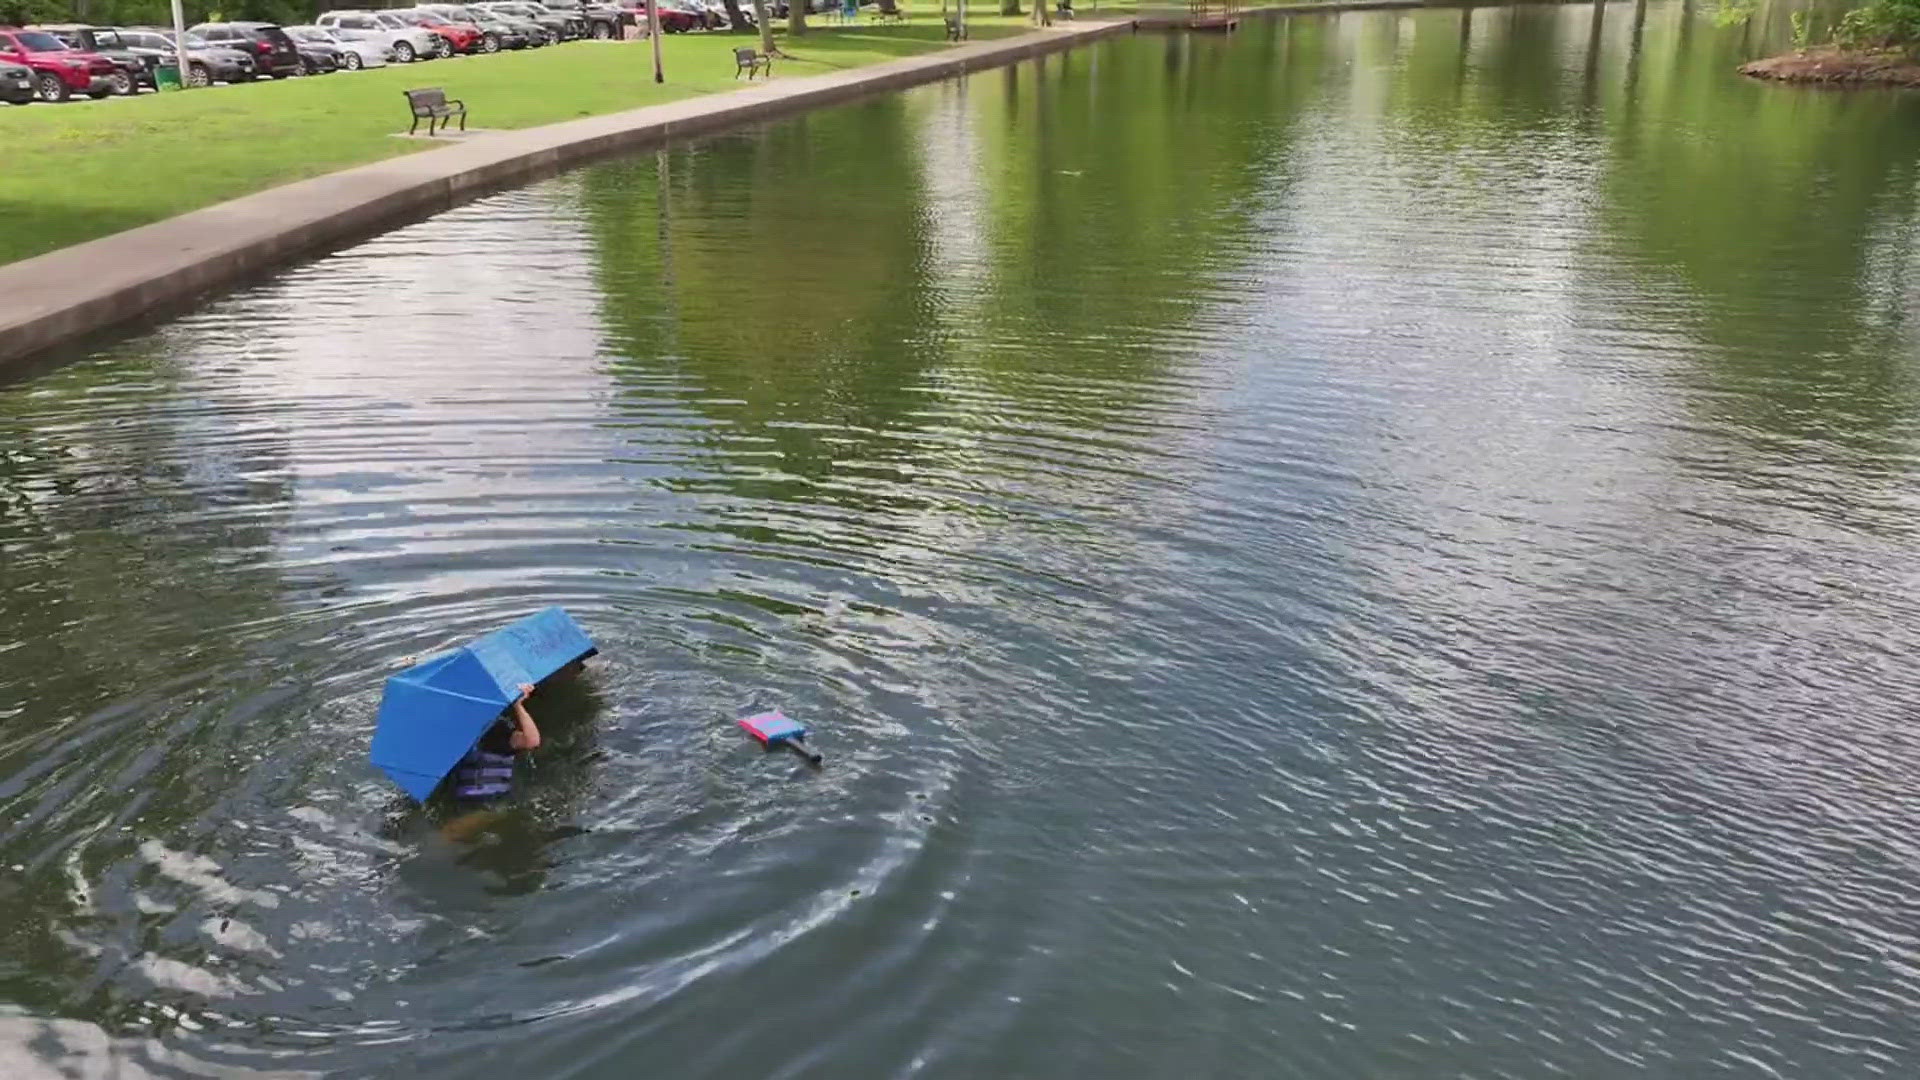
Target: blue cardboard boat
(432, 713)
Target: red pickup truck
(58, 72)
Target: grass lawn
(81, 170)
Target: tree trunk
(796, 17)
(765, 24)
(735, 22)
(1012, 7)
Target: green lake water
(1382, 545)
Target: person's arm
(526, 736)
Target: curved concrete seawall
(53, 298)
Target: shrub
(1881, 24)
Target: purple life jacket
(481, 775)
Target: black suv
(273, 52)
(106, 41)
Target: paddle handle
(798, 746)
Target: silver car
(355, 53)
(407, 42)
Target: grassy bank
(85, 169)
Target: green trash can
(167, 77)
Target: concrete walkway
(64, 294)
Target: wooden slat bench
(749, 61)
(431, 105)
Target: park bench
(956, 32)
(1064, 8)
(432, 106)
(749, 61)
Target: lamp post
(180, 42)
(653, 31)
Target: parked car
(447, 40)
(492, 30)
(717, 17)
(438, 47)
(58, 71)
(461, 36)
(137, 70)
(575, 19)
(604, 21)
(317, 58)
(779, 9)
(533, 32)
(558, 27)
(678, 18)
(272, 50)
(673, 19)
(16, 83)
(133, 42)
(405, 41)
(206, 63)
(353, 54)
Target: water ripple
(1389, 555)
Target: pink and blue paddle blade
(773, 728)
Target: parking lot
(55, 63)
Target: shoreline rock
(1835, 67)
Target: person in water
(486, 773)
(485, 776)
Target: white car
(354, 53)
(407, 42)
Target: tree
(765, 24)
(1012, 7)
(735, 21)
(797, 17)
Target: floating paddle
(775, 729)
